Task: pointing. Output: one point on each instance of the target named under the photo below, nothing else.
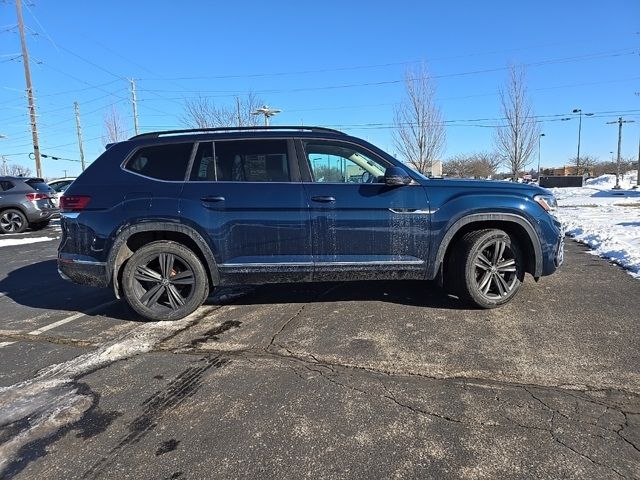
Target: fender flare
(159, 226)
(484, 217)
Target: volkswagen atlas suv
(166, 217)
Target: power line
(354, 67)
(230, 93)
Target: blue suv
(166, 217)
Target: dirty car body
(160, 215)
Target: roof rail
(234, 129)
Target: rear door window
(242, 161)
(163, 162)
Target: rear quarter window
(163, 162)
(5, 185)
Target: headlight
(548, 202)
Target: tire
(148, 287)
(39, 225)
(12, 221)
(487, 268)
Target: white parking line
(68, 319)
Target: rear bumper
(37, 215)
(83, 271)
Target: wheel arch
(515, 225)
(133, 237)
(17, 206)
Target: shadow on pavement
(39, 286)
(403, 292)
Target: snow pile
(607, 220)
(607, 181)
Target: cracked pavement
(334, 380)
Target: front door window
(340, 163)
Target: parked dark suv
(25, 202)
(164, 218)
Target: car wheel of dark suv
(164, 281)
(12, 221)
(487, 268)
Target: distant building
(436, 170)
(567, 170)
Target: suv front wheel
(164, 281)
(487, 268)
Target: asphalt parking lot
(340, 380)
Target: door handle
(323, 199)
(212, 199)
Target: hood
(462, 183)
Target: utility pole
(76, 107)
(5, 169)
(539, 138)
(134, 103)
(27, 77)
(619, 122)
(638, 171)
(238, 111)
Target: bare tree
(474, 165)
(114, 129)
(419, 135)
(16, 170)
(610, 166)
(587, 163)
(202, 112)
(516, 140)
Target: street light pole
(539, 138)
(579, 111)
(267, 112)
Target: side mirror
(395, 177)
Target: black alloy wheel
(164, 281)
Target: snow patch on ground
(9, 242)
(606, 220)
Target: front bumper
(559, 256)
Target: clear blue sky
(580, 54)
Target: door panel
(366, 227)
(254, 227)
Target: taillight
(37, 196)
(74, 203)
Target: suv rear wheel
(164, 281)
(12, 221)
(487, 268)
